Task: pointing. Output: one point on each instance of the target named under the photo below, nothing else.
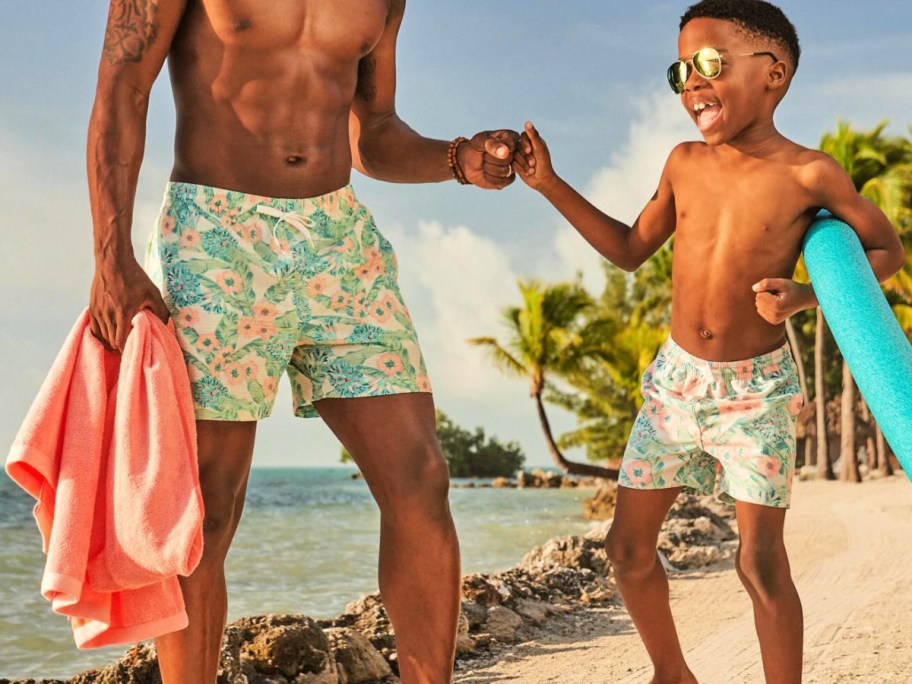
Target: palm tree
(824, 463)
(794, 340)
(881, 169)
(624, 330)
(547, 336)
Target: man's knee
(223, 502)
(422, 488)
(225, 450)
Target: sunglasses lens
(677, 76)
(708, 63)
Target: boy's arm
(831, 188)
(137, 39)
(385, 147)
(835, 191)
(625, 246)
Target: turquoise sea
(307, 544)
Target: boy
(722, 392)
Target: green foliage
(471, 454)
(623, 332)
(544, 332)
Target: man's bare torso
(739, 220)
(263, 91)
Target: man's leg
(393, 439)
(763, 567)
(631, 547)
(191, 656)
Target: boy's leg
(191, 656)
(631, 547)
(763, 566)
(393, 439)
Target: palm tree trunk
(870, 443)
(809, 444)
(824, 466)
(799, 357)
(883, 456)
(569, 467)
(847, 451)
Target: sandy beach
(851, 553)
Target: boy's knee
(629, 556)
(763, 571)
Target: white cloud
(623, 187)
(456, 284)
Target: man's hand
(533, 159)
(487, 158)
(118, 293)
(779, 298)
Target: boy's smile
(706, 112)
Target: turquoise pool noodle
(867, 332)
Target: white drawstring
(302, 223)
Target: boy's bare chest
(717, 204)
(342, 28)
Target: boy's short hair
(756, 17)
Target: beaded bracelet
(453, 162)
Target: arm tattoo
(367, 82)
(131, 30)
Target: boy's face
(724, 106)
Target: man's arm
(137, 40)
(386, 148)
(625, 246)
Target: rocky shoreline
(536, 478)
(555, 583)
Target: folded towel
(108, 450)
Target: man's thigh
(391, 437)
(225, 451)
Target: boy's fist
(532, 160)
(779, 298)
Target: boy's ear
(777, 76)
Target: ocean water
(307, 544)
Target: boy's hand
(779, 298)
(532, 160)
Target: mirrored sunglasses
(707, 62)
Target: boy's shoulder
(809, 165)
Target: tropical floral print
(704, 417)
(260, 286)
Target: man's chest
(342, 28)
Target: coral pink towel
(108, 449)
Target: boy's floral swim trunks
(259, 286)
(701, 417)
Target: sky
(589, 73)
